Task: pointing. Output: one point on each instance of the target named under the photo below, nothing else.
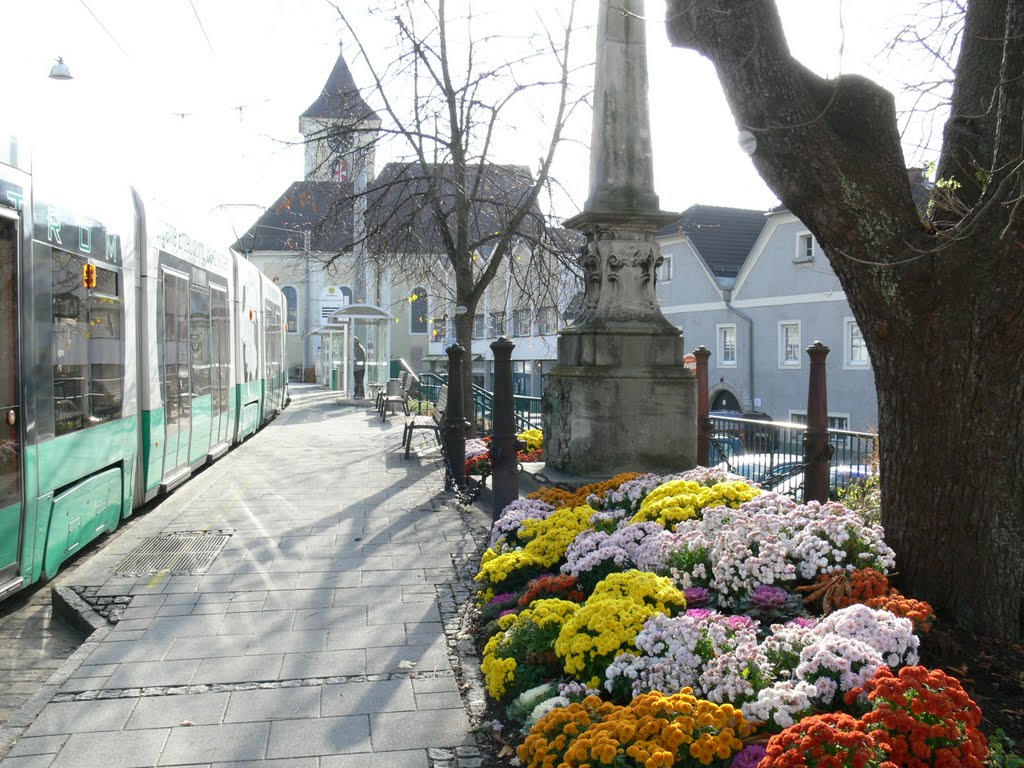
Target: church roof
(324, 208)
(340, 98)
(400, 218)
(721, 236)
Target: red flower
(925, 717)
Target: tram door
(221, 363)
(10, 411)
(175, 374)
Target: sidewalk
(323, 630)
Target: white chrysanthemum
(892, 636)
(783, 704)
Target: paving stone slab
(215, 743)
(322, 736)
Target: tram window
(199, 339)
(10, 451)
(106, 282)
(106, 366)
(88, 354)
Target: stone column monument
(620, 397)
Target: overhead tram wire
(201, 27)
(104, 28)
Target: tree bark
(942, 312)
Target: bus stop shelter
(372, 326)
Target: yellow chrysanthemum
(679, 500)
(533, 438)
(608, 623)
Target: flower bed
(695, 620)
(478, 451)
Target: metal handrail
(527, 409)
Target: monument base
(636, 413)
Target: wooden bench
(434, 420)
(394, 395)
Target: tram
(131, 354)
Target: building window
(789, 344)
(855, 351)
(665, 270)
(804, 247)
(521, 322)
(418, 310)
(521, 377)
(439, 328)
(291, 297)
(478, 325)
(497, 324)
(727, 346)
(547, 321)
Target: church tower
(340, 130)
(322, 218)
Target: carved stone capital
(619, 280)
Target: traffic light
(89, 275)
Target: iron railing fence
(767, 452)
(527, 409)
(772, 453)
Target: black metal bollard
(504, 479)
(816, 446)
(455, 422)
(702, 354)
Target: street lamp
(60, 71)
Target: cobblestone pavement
(328, 630)
(33, 645)
(34, 641)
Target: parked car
(840, 477)
(723, 447)
(766, 469)
(756, 437)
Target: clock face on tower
(340, 148)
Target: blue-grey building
(756, 289)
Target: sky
(196, 102)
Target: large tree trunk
(950, 389)
(941, 308)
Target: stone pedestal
(619, 402)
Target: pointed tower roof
(340, 98)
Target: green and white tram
(131, 353)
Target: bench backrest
(396, 387)
(441, 405)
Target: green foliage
(691, 561)
(523, 705)
(1001, 752)
(865, 498)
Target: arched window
(291, 297)
(418, 310)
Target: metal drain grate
(176, 553)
